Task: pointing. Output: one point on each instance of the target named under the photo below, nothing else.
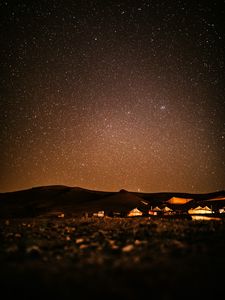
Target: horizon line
(106, 191)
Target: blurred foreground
(111, 257)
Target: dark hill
(41, 200)
(120, 201)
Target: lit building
(135, 213)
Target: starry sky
(108, 95)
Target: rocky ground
(111, 257)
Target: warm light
(200, 210)
(156, 209)
(217, 198)
(152, 213)
(178, 200)
(144, 202)
(99, 214)
(167, 209)
(62, 215)
(205, 218)
(135, 213)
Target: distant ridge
(121, 200)
(43, 199)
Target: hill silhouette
(41, 200)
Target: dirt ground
(127, 258)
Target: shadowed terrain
(107, 257)
(76, 201)
(83, 257)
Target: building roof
(179, 200)
(134, 212)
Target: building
(178, 200)
(155, 211)
(99, 214)
(200, 210)
(222, 210)
(166, 210)
(135, 213)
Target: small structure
(179, 200)
(155, 211)
(222, 210)
(144, 202)
(61, 215)
(152, 212)
(200, 210)
(167, 211)
(135, 213)
(99, 214)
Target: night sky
(113, 94)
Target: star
(162, 107)
(101, 96)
